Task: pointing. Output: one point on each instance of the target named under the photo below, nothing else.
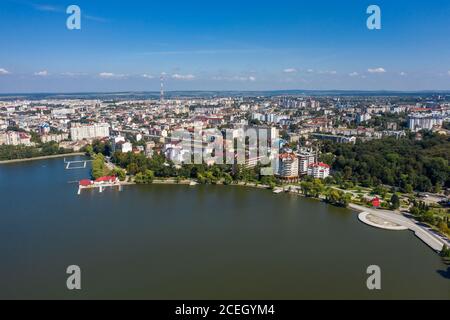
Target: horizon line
(224, 91)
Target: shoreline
(429, 236)
(432, 240)
(43, 157)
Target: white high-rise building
(305, 158)
(419, 122)
(288, 166)
(89, 131)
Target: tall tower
(161, 94)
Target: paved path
(377, 222)
(427, 235)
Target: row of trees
(317, 188)
(163, 168)
(99, 168)
(9, 152)
(433, 216)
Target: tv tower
(161, 94)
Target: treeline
(9, 152)
(406, 163)
(162, 168)
(433, 216)
(100, 169)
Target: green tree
(98, 166)
(445, 252)
(119, 173)
(395, 201)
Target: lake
(195, 242)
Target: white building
(89, 131)
(417, 122)
(119, 144)
(15, 138)
(54, 137)
(288, 166)
(305, 158)
(176, 153)
(319, 170)
(124, 146)
(363, 117)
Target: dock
(82, 162)
(100, 187)
(100, 183)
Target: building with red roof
(106, 179)
(85, 182)
(376, 202)
(319, 170)
(288, 166)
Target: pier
(82, 166)
(100, 183)
(101, 187)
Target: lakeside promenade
(424, 233)
(43, 157)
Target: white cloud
(353, 74)
(73, 74)
(183, 76)
(4, 71)
(147, 76)
(235, 78)
(42, 73)
(110, 75)
(448, 72)
(290, 70)
(310, 70)
(403, 74)
(376, 70)
(332, 72)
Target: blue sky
(223, 45)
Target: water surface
(195, 242)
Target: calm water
(202, 242)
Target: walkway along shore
(427, 235)
(43, 157)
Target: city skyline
(206, 46)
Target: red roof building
(376, 202)
(106, 179)
(318, 170)
(85, 182)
